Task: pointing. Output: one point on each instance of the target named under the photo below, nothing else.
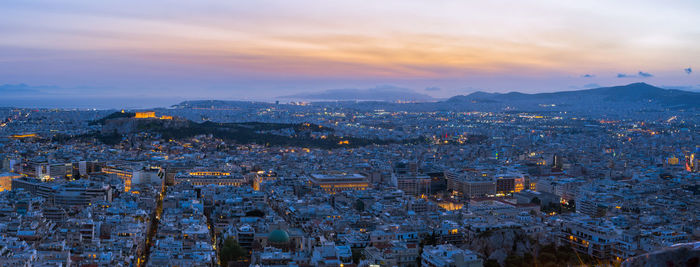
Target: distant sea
(89, 103)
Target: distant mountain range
(380, 93)
(634, 95)
(631, 97)
(605, 100)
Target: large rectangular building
(333, 183)
(473, 186)
(126, 174)
(414, 184)
(209, 178)
(507, 184)
(76, 193)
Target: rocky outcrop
(498, 244)
(679, 255)
(131, 125)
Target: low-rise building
(332, 183)
(449, 256)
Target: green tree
(430, 240)
(549, 248)
(528, 259)
(567, 255)
(232, 251)
(357, 255)
(491, 263)
(570, 207)
(547, 257)
(359, 205)
(255, 213)
(513, 260)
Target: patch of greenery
(299, 134)
(255, 133)
(232, 251)
(107, 139)
(115, 115)
(255, 213)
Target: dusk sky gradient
(265, 49)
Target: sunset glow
(291, 46)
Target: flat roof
(319, 176)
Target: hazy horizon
(149, 102)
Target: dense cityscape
(363, 133)
(225, 183)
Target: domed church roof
(278, 236)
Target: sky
(216, 49)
